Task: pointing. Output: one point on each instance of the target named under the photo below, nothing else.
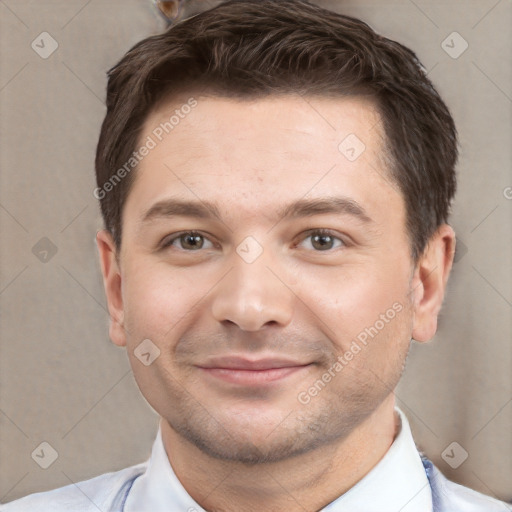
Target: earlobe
(429, 282)
(112, 283)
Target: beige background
(63, 382)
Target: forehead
(270, 123)
(254, 154)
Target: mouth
(252, 372)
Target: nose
(252, 296)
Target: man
(275, 181)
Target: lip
(251, 372)
(242, 363)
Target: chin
(247, 452)
(257, 441)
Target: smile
(246, 372)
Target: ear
(429, 282)
(112, 282)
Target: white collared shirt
(397, 483)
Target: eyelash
(305, 235)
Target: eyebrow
(300, 208)
(178, 207)
(335, 205)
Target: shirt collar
(397, 482)
(159, 489)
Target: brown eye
(321, 241)
(188, 241)
(191, 241)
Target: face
(270, 268)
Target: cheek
(351, 298)
(155, 299)
(366, 315)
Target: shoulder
(104, 492)
(448, 496)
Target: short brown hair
(247, 48)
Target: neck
(306, 482)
